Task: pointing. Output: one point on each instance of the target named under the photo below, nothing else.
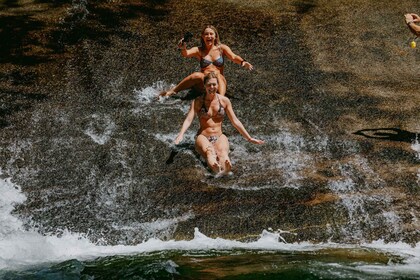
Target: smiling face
(209, 37)
(212, 86)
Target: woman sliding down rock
(211, 55)
(210, 141)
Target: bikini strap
(220, 103)
(204, 103)
(201, 53)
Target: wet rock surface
(334, 94)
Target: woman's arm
(187, 122)
(237, 123)
(235, 58)
(193, 52)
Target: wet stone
(92, 149)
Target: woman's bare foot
(227, 168)
(216, 168)
(167, 93)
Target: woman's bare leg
(195, 80)
(206, 149)
(222, 84)
(222, 150)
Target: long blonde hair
(211, 75)
(216, 40)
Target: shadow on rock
(178, 148)
(391, 134)
(14, 101)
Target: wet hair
(216, 40)
(209, 76)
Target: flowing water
(28, 255)
(92, 186)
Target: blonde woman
(211, 56)
(210, 142)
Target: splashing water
(21, 249)
(357, 197)
(148, 94)
(416, 147)
(11, 195)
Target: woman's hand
(178, 139)
(182, 44)
(247, 65)
(408, 18)
(256, 141)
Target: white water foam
(150, 93)
(410, 265)
(356, 197)
(286, 163)
(189, 137)
(10, 195)
(100, 128)
(20, 249)
(164, 228)
(416, 147)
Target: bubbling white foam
(416, 146)
(148, 94)
(100, 128)
(10, 195)
(20, 248)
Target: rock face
(334, 94)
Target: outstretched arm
(187, 122)
(237, 123)
(236, 58)
(193, 52)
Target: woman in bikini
(211, 55)
(210, 142)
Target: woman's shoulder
(224, 99)
(224, 47)
(198, 102)
(195, 49)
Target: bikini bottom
(212, 139)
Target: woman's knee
(223, 155)
(203, 146)
(222, 85)
(222, 147)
